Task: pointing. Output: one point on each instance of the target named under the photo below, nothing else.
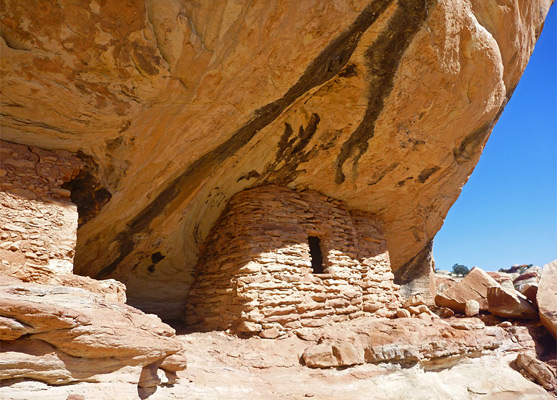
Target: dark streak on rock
(402, 182)
(383, 58)
(285, 142)
(250, 175)
(426, 173)
(146, 59)
(415, 269)
(323, 68)
(291, 152)
(377, 177)
(349, 71)
(469, 145)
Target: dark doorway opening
(316, 254)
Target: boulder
(319, 356)
(531, 276)
(547, 297)
(109, 289)
(443, 281)
(63, 335)
(536, 370)
(508, 303)
(472, 308)
(473, 287)
(445, 312)
(347, 354)
(503, 278)
(530, 291)
(466, 324)
(175, 362)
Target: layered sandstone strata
(63, 335)
(385, 105)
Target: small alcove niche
(316, 255)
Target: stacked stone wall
(38, 222)
(255, 274)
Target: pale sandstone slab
(401, 341)
(74, 335)
(473, 287)
(536, 370)
(109, 289)
(547, 297)
(508, 303)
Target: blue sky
(507, 212)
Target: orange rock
(508, 303)
(73, 335)
(547, 297)
(473, 287)
(183, 106)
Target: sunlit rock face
(176, 106)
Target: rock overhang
(380, 105)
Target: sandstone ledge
(61, 335)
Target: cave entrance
(316, 254)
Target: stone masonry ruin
(38, 221)
(280, 260)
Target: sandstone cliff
(175, 106)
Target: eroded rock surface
(537, 371)
(547, 297)
(405, 341)
(177, 106)
(474, 286)
(509, 303)
(61, 335)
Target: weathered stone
(347, 354)
(149, 376)
(349, 250)
(472, 308)
(109, 289)
(466, 324)
(530, 291)
(271, 333)
(547, 297)
(402, 313)
(445, 312)
(34, 212)
(405, 341)
(243, 326)
(415, 300)
(319, 356)
(536, 370)
(11, 329)
(73, 335)
(508, 303)
(175, 362)
(473, 287)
